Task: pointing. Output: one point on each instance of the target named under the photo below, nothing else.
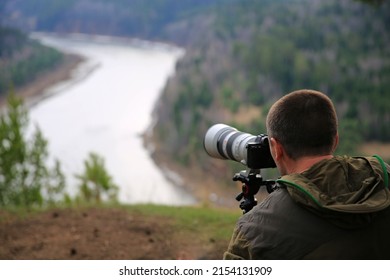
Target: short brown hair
(304, 122)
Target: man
(324, 206)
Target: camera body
(226, 142)
(258, 154)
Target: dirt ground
(99, 234)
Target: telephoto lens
(225, 142)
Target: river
(105, 108)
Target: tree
(96, 183)
(12, 153)
(25, 179)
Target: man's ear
(276, 149)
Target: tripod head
(251, 182)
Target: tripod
(251, 182)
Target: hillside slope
(116, 233)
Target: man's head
(304, 123)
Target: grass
(203, 221)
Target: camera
(226, 142)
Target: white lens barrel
(226, 142)
(211, 139)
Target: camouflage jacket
(338, 209)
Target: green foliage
(55, 187)
(25, 180)
(316, 51)
(96, 184)
(11, 40)
(349, 137)
(40, 60)
(229, 99)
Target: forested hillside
(241, 55)
(22, 60)
(262, 49)
(161, 19)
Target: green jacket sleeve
(238, 247)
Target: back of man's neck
(304, 163)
